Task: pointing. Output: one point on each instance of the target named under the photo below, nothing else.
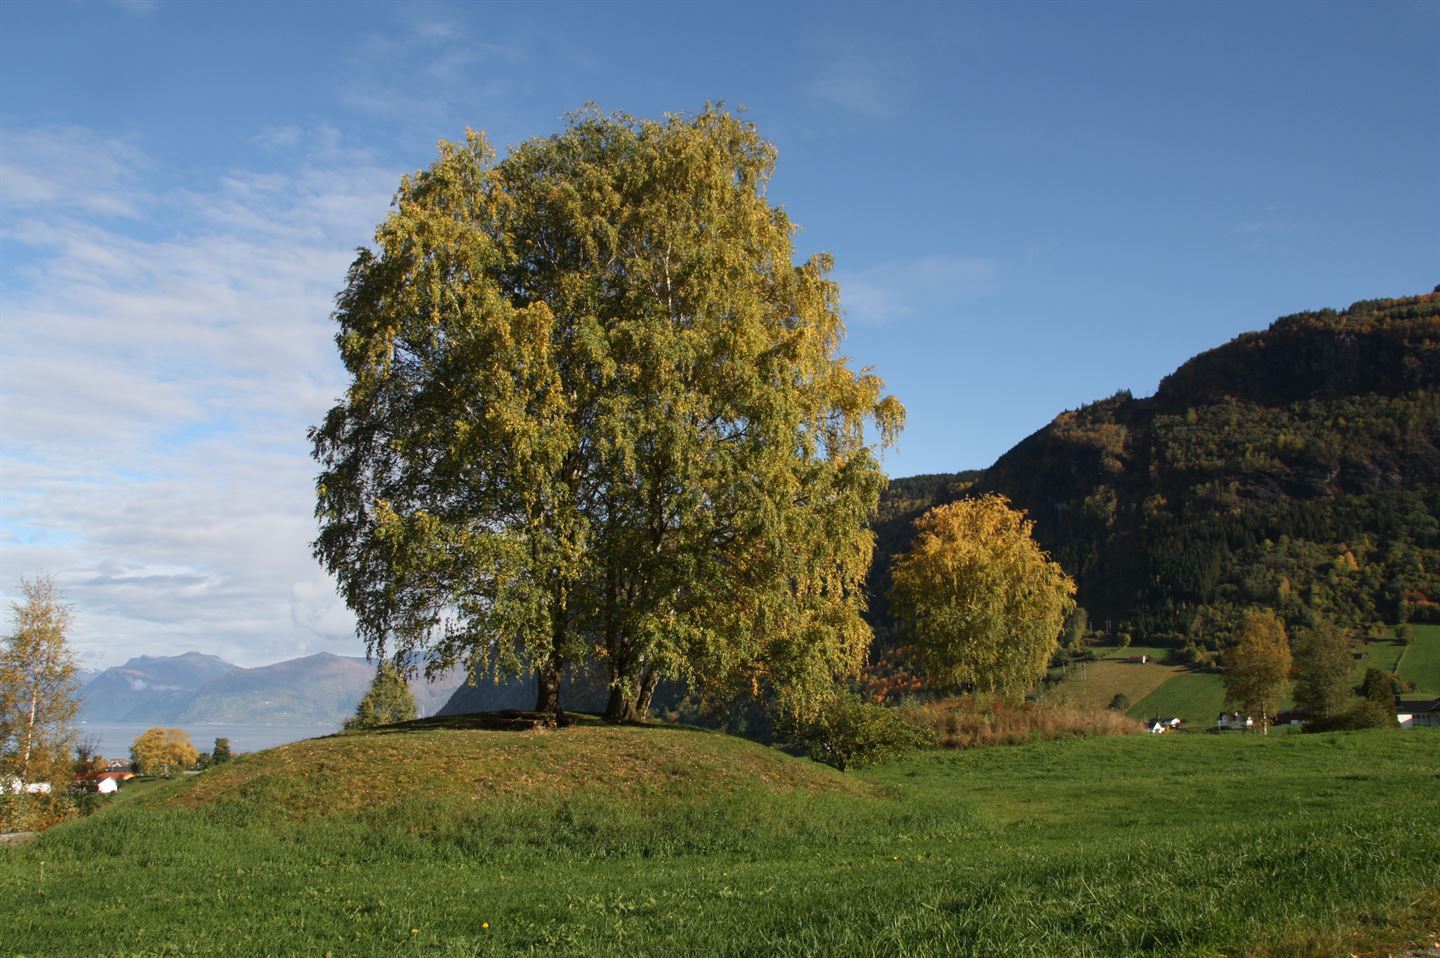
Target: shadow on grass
(514, 720)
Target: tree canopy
(598, 416)
(387, 701)
(37, 684)
(982, 605)
(1257, 666)
(163, 751)
(1323, 664)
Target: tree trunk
(647, 692)
(547, 695)
(618, 708)
(634, 707)
(29, 734)
(547, 698)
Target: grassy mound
(458, 765)
(661, 841)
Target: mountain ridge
(1296, 467)
(194, 688)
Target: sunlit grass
(661, 841)
(1420, 662)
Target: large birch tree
(38, 684)
(598, 416)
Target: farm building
(1418, 713)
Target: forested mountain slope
(1298, 468)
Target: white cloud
(1263, 227)
(159, 371)
(866, 81)
(426, 70)
(894, 290)
(138, 8)
(69, 168)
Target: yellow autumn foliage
(983, 605)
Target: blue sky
(1030, 206)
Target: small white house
(1159, 725)
(1228, 721)
(107, 786)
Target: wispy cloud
(426, 69)
(866, 81)
(69, 169)
(894, 290)
(138, 8)
(1263, 227)
(158, 373)
(1269, 222)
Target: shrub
(23, 812)
(848, 732)
(1120, 703)
(1363, 714)
(968, 722)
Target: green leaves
(598, 413)
(387, 701)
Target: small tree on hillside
(1077, 626)
(164, 752)
(37, 685)
(388, 701)
(983, 605)
(1257, 666)
(1322, 673)
(221, 752)
(1377, 700)
(87, 755)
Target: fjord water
(115, 739)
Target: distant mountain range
(199, 689)
(1297, 468)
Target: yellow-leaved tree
(1257, 666)
(982, 604)
(163, 751)
(37, 686)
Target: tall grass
(970, 722)
(1166, 845)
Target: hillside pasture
(1420, 662)
(682, 842)
(1382, 654)
(1095, 684)
(1194, 697)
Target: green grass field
(1420, 663)
(1382, 654)
(669, 842)
(1195, 697)
(1095, 684)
